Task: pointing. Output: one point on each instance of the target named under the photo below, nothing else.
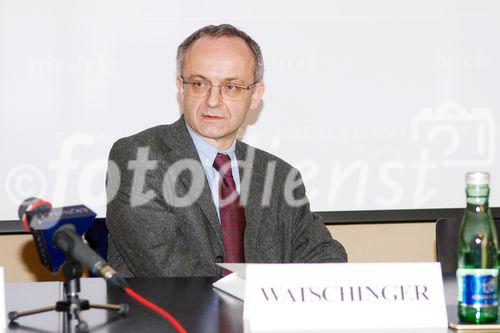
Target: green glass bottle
(477, 255)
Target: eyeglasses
(201, 88)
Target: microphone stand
(71, 305)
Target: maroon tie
(232, 215)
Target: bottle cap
(477, 178)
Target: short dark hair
(222, 30)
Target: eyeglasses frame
(247, 88)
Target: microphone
(57, 233)
(28, 205)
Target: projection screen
(380, 104)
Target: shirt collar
(206, 151)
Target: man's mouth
(211, 117)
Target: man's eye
(199, 84)
(232, 87)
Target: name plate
(3, 315)
(319, 297)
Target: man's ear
(180, 91)
(257, 95)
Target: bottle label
(477, 287)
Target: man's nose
(214, 97)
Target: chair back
(447, 243)
(97, 237)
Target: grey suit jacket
(151, 234)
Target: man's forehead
(220, 42)
(225, 51)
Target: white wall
(380, 104)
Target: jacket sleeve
(139, 226)
(311, 242)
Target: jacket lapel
(251, 193)
(182, 145)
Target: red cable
(150, 305)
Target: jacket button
(218, 259)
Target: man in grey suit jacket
(163, 207)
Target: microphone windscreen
(28, 205)
(24, 206)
